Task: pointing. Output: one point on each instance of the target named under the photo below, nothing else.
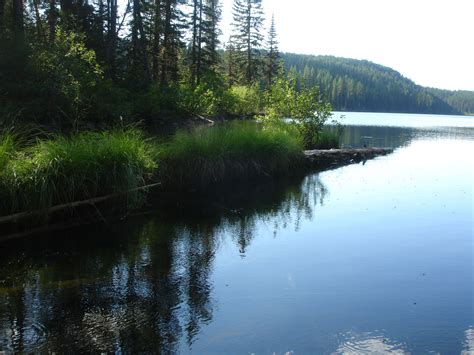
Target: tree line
(84, 60)
(359, 85)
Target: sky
(428, 41)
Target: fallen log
(22, 215)
(321, 159)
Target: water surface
(366, 258)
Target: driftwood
(323, 159)
(22, 215)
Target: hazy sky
(428, 41)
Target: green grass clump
(230, 151)
(326, 139)
(62, 170)
(8, 148)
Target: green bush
(230, 151)
(304, 109)
(244, 100)
(84, 166)
(68, 77)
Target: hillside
(460, 99)
(360, 85)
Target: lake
(374, 257)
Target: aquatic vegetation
(232, 151)
(66, 169)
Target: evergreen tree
(247, 26)
(210, 34)
(157, 32)
(173, 26)
(140, 60)
(273, 55)
(204, 23)
(230, 62)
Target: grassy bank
(62, 170)
(232, 151)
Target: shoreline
(90, 211)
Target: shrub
(304, 109)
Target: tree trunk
(199, 46)
(156, 41)
(2, 16)
(249, 44)
(143, 48)
(18, 19)
(52, 20)
(194, 43)
(112, 38)
(39, 27)
(166, 43)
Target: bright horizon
(427, 41)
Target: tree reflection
(140, 285)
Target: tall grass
(7, 148)
(231, 151)
(63, 170)
(326, 139)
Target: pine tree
(139, 42)
(204, 23)
(195, 25)
(247, 25)
(211, 32)
(273, 55)
(157, 32)
(230, 62)
(172, 40)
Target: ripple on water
(369, 343)
(31, 336)
(469, 342)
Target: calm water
(365, 258)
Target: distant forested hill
(360, 85)
(460, 99)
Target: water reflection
(394, 137)
(390, 250)
(141, 285)
(368, 343)
(469, 342)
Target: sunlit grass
(7, 148)
(225, 152)
(66, 169)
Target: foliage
(304, 109)
(208, 156)
(61, 170)
(272, 57)
(247, 38)
(70, 75)
(243, 100)
(7, 149)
